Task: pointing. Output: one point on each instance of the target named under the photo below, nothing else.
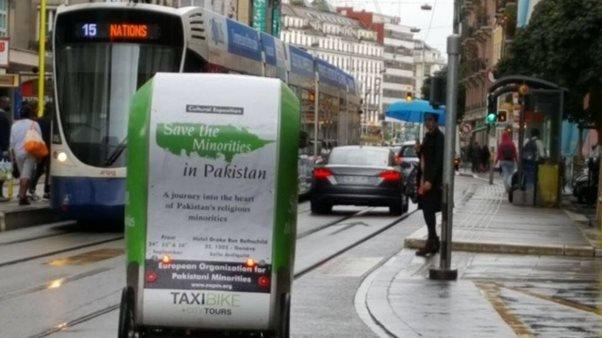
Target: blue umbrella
(413, 111)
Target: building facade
(398, 79)
(343, 42)
(488, 26)
(427, 62)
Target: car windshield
(408, 151)
(360, 156)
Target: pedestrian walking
(485, 158)
(430, 180)
(43, 167)
(24, 161)
(506, 158)
(4, 138)
(475, 150)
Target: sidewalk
(488, 223)
(521, 272)
(13, 215)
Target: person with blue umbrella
(414, 111)
(430, 181)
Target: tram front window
(95, 84)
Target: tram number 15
(90, 30)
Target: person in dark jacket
(430, 182)
(4, 135)
(485, 158)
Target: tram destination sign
(120, 31)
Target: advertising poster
(211, 201)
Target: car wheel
(406, 204)
(320, 208)
(396, 209)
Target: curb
(553, 250)
(26, 217)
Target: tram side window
(193, 63)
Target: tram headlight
(61, 156)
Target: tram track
(60, 251)
(75, 277)
(117, 238)
(42, 236)
(297, 274)
(339, 252)
(334, 222)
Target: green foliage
(561, 44)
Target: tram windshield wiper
(116, 153)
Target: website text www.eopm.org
(204, 286)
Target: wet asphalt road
(65, 279)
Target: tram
(103, 52)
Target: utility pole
(42, 58)
(444, 272)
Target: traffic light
(491, 118)
(409, 96)
(502, 116)
(437, 92)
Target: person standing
(4, 136)
(506, 158)
(474, 156)
(533, 154)
(24, 161)
(430, 182)
(485, 158)
(43, 167)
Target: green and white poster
(213, 199)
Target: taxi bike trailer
(211, 205)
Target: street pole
(42, 58)
(316, 108)
(444, 272)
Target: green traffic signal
(491, 118)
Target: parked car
(359, 175)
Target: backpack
(507, 153)
(530, 151)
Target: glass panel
(409, 151)
(95, 83)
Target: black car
(358, 175)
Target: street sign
(4, 52)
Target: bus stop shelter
(541, 106)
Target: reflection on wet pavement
(541, 296)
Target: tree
(425, 91)
(562, 44)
